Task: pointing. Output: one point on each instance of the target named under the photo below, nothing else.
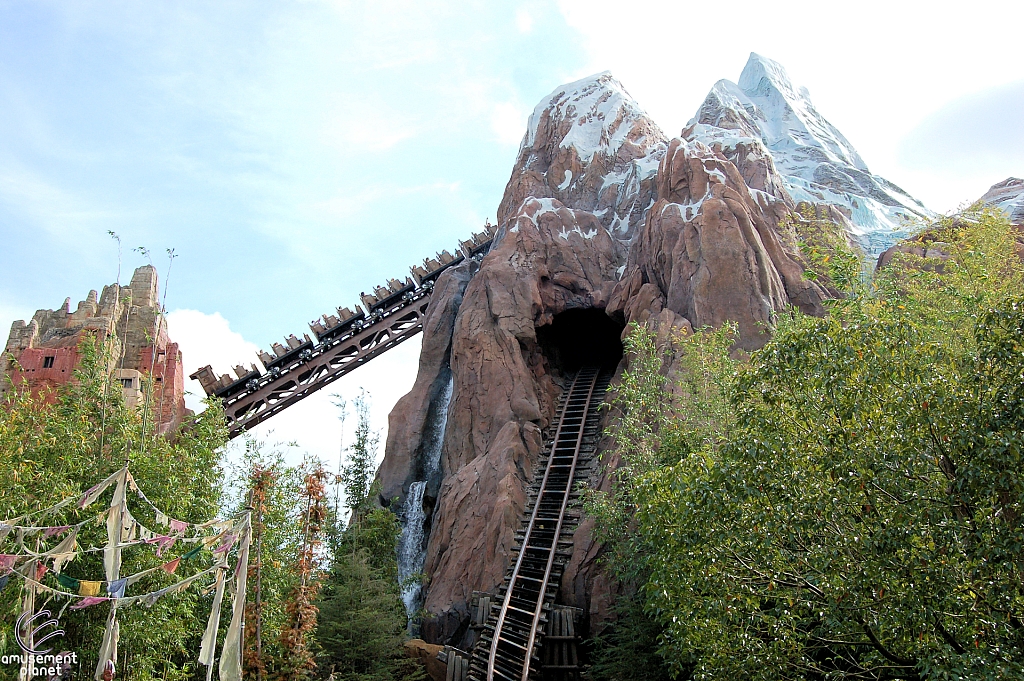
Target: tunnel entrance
(578, 338)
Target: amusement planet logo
(34, 660)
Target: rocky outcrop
(1008, 196)
(546, 260)
(713, 251)
(591, 147)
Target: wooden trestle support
(521, 622)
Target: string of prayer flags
(6, 527)
(96, 490)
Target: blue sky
(296, 153)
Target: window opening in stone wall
(126, 382)
(48, 361)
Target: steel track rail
(508, 658)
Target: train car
(387, 297)
(284, 356)
(334, 326)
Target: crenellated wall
(43, 353)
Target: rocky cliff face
(765, 114)
(1008, 196)
(604, 222)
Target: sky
(294, 154)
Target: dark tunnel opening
(578, 338)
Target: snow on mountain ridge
(590, 146)
(816, 162)
(601, 108)
(1008, 196)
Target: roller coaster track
(508, 647)
(393, 314)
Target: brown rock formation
(547, 260)
(712, 251)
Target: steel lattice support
(323, 364)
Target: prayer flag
(50, 531)
(116, 588)
(41, 569)
(171, 566)
(193, 553)
(3, 581)
(91, 600)
(87, 588)
(68, 582)
(178, 526)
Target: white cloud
(207, 339)
(524, 21)
(508, 121)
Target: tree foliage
(856, 512)
(362, 623)
(56, 445)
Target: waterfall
(412, 546)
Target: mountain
(604, 222)
(816, 162)
(1008, 196)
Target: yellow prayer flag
(86, 588)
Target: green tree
(362, 622)
(860, 515)
(54, 446)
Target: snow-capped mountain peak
(590, 146)
(817, 163)
(601, 112)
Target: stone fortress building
(44, 352)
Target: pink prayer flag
(164, 541)
(226, 544)
(41, 569)
(50, 531)
(85, 497)
(171, 567)
(178, 526)
(89, 600)
(7, 560)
